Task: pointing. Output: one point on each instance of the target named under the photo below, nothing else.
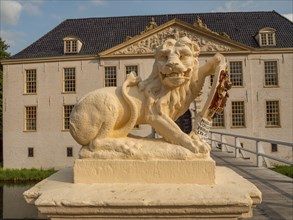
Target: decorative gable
(149, 40)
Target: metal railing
(259, 152)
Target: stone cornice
(91, 57)
(49, 59)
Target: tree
(3, 55)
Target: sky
(22, 22)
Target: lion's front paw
(202, 147)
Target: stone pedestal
(200, 171)
(230, 197)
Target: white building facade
(42, 83)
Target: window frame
(277, 74)
(211, 80)
(278, 114)
(125, 70)
(30, 152)
(25, 90)
(110, 78)
(68, 152)
(244, 115)
(264, 39)
(67, 118)
(224, 121)
(26, 119)
(241, 74)
(274, 148)
(70, 46)
(64, 81)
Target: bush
(285, 170)
(24, 175)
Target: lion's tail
(131, 80)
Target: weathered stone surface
(201, 171)
(231, 197)
(138, 148)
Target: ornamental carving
(152, 25)
(149, 44)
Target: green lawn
(285, 170)
(24, 175)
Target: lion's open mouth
(185, 74)
(175, 79)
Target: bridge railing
(220, 139)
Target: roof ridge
(170, 14)
(282, 16)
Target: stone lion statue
(175, 81)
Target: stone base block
(201, 171)
(231, 197)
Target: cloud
(81, 9)
(231, 6)
(288, 16)
(32, 8)
(10, 12)
(12, 38)
(57, 17)
(97, 2)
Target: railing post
(257, 151)
(236, 149)
(222, 145)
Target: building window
(274, 147)
(218, 120)
(69, 152)
(110, 76)
(129, 69)
(31, 118)
(238, 114)
(236, 73)
(267, 37)
(272, 113)
(31, 81)
(66, 116)
(271, 73)
(70, 46)
(212, 79)
(30, 152)
(69, 80)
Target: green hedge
(24, 175)
(285, 170)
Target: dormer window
(267, 37)
(72, 45)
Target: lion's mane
(158, 96)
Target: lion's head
(175, 64)
(176, 61)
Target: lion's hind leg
(111, 146)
